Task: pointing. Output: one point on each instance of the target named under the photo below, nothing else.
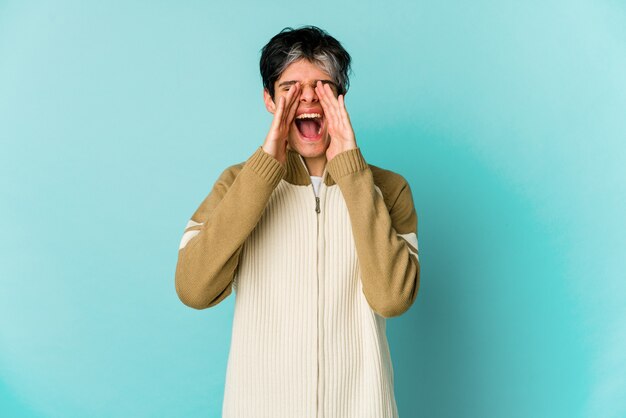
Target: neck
(315, 165)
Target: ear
(269, 102)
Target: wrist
(348, 147)
(272, 152)
(346, 162)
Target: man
(319, 246)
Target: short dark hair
(311, 43)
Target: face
(302, 138)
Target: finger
(342, 107)
(342, 113)
(319, 89)
(278, 112)
(282, 110)
(330, 105)
(296, 95)
(332, 100)
(345, 118)
(320, 94)
(293, 105)
(331, 92)
(285, 100)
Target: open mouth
(310, 126)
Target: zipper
(320, 301)
(317, 271)
(320, 311)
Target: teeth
(309, 116)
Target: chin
(309, 149)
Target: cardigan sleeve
(385, 235)
(211, 243)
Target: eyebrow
(290, 82)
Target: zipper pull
(317, 204)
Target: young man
(319, 246)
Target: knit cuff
(266, 166)
(346, 162)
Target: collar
(298, 173)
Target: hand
(277, 138)
(339, 126)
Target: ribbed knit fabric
(305, 342)
(315, 278)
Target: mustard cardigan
(314, 277)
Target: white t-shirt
(316, 180)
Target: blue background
(507, 119)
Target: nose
(308, 93)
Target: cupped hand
(337, 120)
(277, 138)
